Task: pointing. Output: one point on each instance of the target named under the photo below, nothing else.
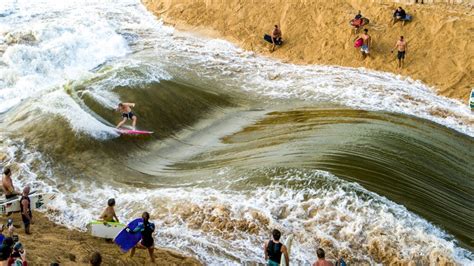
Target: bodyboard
(107, 230)
(127, 240)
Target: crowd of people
(362, 41)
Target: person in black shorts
(146, 228)
(7, 184)
(127, 114)
(25, 209)
(402, 47)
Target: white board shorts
(364, 48)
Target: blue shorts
(364, 49)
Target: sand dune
(440, 37)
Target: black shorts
(401, 55)
(128, 115)
(148, 243)
(11, 196)
(25, 219)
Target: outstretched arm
(129, 104)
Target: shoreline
(241, 23)
(50, 242)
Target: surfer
(274, 248)
(7, 184)
(109, 213)
(126, 109)
(25, 209)
(401, 47)
(146, 228)
(321, 259)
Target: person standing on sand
(146, 228)
(25, 209)
(273, 249)
(7, 184)
(321, 259)
(402, 47)
(367, 44)
(109, 213)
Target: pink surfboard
(134, 132)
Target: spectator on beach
(96, 259)
(399, 15)
(321, 259)
(273, 249)
(275, 39)
(402, 47)
(358, 22)
(2, 236)
(25, 209)
(10, 227)
(109, 213)
(366, 43)
(7, 184)
(6, 250)
(146, 228)
(18, 256)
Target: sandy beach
(318, 32)
(50, 242)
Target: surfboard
(107, 230)
(37, 200)
(289, 241)
(134, 132)
(471, 101)
(127, 240)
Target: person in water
(25, 209)
(399, 15)
(126, 110)
(321, 259)
(146, 228)
(367, 43)
(402, 47)
(109, 213)
(273, 249)
(7, 184)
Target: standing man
(367, 44)
(7, 184)
(273, 249)
(321, 259)
(25, 209)
(401, 47)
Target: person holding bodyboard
(146, 229)
(274, 249)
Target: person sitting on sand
(96, 259)
(109, 213)
(126, 109)
(402, 47)
(357, 22)
(273, 249)
(146, 228)
(399, 15)
(18, 256)
(25, 209)
(275, 39)
(321, 259)
(366, 45)
(7, 184)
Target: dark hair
(400, 7)
(54, 264)
(401, 37)
(320, 253)
(96, 259)
(7, 171)
(366, 30)
(276, 234)
(120, 104)
(111, 202)
(276, 26)
(146, 216)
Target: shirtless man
(276, 37)
(321, 259)
(109, 213)
(126, 109)
(366, 45)
(7, 184)
(402, 47)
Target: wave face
(368, 165)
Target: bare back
(322, 262)
(7, 185)
(108, 214)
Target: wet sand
(54, 243)
(440, 52)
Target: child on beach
(109, 213)
(146, 228)
(126, 110)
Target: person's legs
(122, 122)
(150, 251)
(27, 229)
(132, 252)
(134, 121)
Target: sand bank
(54, 243)
(440, 53)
